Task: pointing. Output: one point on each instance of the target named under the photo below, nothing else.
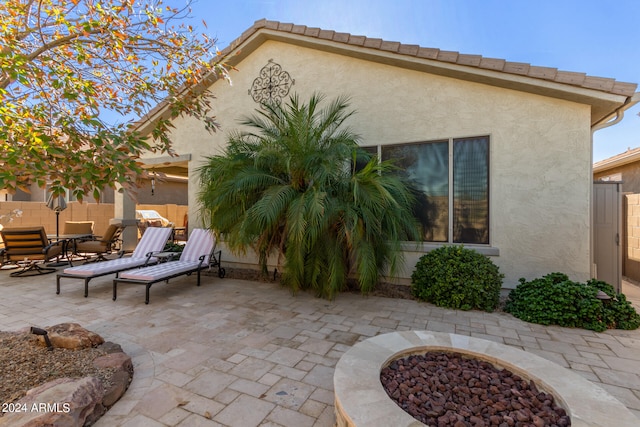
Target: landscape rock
(121, 381)
(71, 336)
(65, 402)
(118, 361)
(110, 347)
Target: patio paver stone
(204, 355)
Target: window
(450, 179)
(361, 161)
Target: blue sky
(596, 37)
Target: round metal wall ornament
(271, 85)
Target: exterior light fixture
(44, 333)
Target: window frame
(484, 248)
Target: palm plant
(289, 185)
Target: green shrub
(173, 247)
(556, 300)
(457, 277)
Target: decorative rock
(476, 401)
(67, 402)
(110, 347)
(64, 402)
(71, 336)
(119, 361)
(121, 381)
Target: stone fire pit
(360, 399)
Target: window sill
(428, 247)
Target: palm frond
(286, 183)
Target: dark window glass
(362, 160)
(426, 168)
(471, 190)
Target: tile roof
(602, 84)
(604, 101)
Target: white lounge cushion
(153, 240)
(200, 243)
(105, 267)
(160, 271)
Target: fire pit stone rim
(360, 399)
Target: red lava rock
(451, 390)
(537, 421)
(521, 416)
(495, 420)
(500, 406)
(526, 403)
(476, 421)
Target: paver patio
(242, 353)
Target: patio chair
(78, 227)
(150, 244)
(195, 256)
(100, 246)
(29, 244)
(182, 233)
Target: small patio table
(66, 239)
(167, 256)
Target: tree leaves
(77, 74)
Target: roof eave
(607, 164)
(604, 104)
(605, 96)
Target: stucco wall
(166, 192)
(540, 147)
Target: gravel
(26, 363)
(447, 389)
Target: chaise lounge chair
(151, 243)
(195, 256)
